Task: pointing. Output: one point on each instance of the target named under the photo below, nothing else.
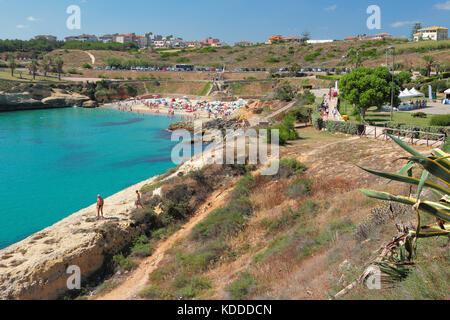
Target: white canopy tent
(447, 96)
(413, 93)
(416, 93)
(404, 94)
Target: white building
(70, 38)
(175, 42)
(107, 38)
(149, 37)
(142, 41)
(125, 38)
(160, 43)
(318, 41)
(431, 33)
(193, 44)
(87, 37)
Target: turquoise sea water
(55, 162)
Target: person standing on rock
(138, 201)
(100, 203)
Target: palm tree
(33, 67)
(429, 63)
(12, 65)
(59, 66)
(354, 57)
(46, 65)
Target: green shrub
(299, 188)
(286, 130)
(141, 247)
(440, 120)
(123, 264)
(189, 288)
(146, 217)
(225, 221)
(107, 286)
(317, 120)
(311, 57)
(291, 166)
(72, 71)
(242, 187)
(151, 292)
(203, 257)
(183, 60)
(86, 66)
(327, 77)
(419, 115)
(272, 60)
(344, 127)
(309, 208)
(302, 114)
(241, 287)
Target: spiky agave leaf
(393, 272)
(406, 179)
(441, 157)
(402, 171)
(433, 167)
(445, 199)
(431, 231)
(436, 209)
(423, 178)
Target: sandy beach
(204, 108)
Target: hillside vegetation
(305, 233)
(409, 55)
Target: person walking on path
(100, 203)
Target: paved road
(433, 108)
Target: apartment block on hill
(431, 33)
(83, 38)
(211, 42)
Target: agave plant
(436, 164)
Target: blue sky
(230, 20)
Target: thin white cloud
(32, 19)
(399, 24)
(443, 6)
(20, 26)
(331, 8)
